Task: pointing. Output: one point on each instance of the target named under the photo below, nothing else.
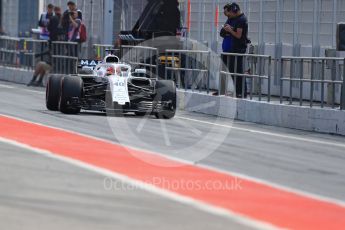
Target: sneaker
(32, 83)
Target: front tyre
(71, 92)
(166, 96)
(53, 91)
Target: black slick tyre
(71, 89)
(53, 91)
(166, 94)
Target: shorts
(44, 65)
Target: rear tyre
(166, 94)
(71, 88)
(53, 91)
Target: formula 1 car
(112, 87)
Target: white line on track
(34, 91)
(17, 88)
(7, 86)
(149, 188)
(302, 139)
(239, 175)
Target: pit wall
(331, 121)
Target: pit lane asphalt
(266, 154)
(37, 192)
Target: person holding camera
(234, 33)
(66, 18)
(73, 29)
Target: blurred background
(277, 27)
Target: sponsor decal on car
(119, 89)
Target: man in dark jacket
(56, 32)
(66, 16)
(235, 34)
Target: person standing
(42, 68)
(44, 21)
(66, 18)
(235, 34)
(56, 32)
(74, 26)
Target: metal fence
(25, 53)
(255, 70)
(99, 51)
(29, 52)
(65, 57)
(300, 80)
(141, 57)
(313, 81)
(9, 51)
(189, 68)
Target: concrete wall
(28, 17)
(20, 76)
(10, 17)
(303, 118)
(19, 16)
(1, 10)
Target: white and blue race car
(112, 87)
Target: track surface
(311, 163)
(41, 193)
